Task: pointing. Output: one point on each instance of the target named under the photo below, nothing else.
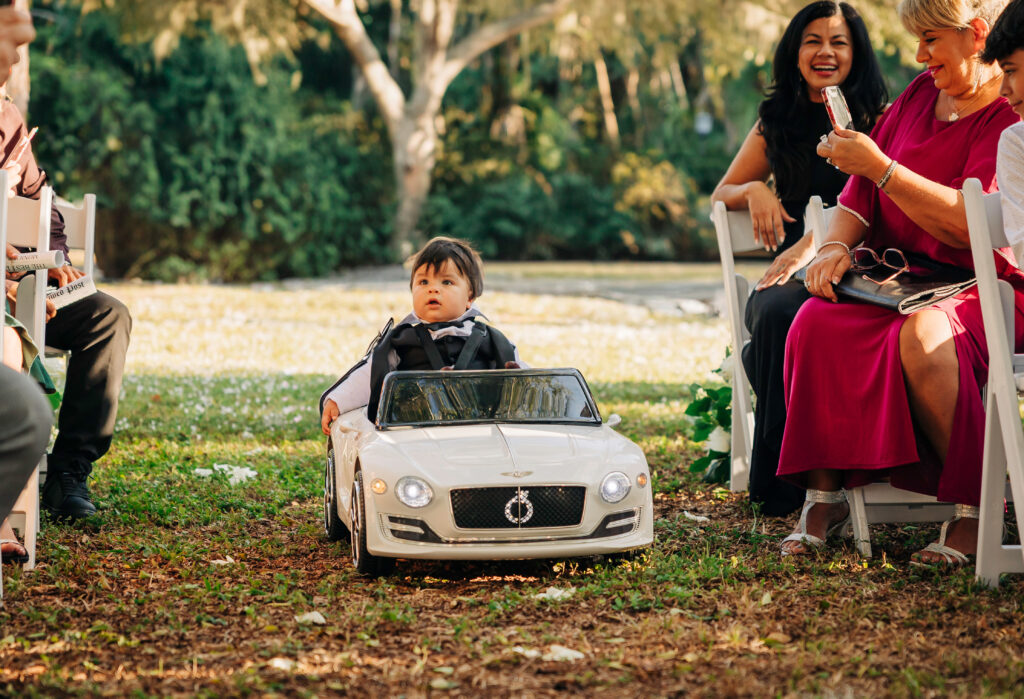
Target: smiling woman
(826, 44)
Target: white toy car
(484, 465)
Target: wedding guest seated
(872, 393)
(826, 43)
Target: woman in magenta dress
(871, 393)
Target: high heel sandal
(950, 556)
(813, 497)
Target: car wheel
(363, 561)
(334, 528)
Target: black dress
(769, 314)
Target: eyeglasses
(865, 259)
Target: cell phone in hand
(838, 111)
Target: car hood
(470, 454)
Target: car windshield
(452, 397)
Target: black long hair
(787, 113)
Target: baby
(444, 331)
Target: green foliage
(200, 171)
(712, 408)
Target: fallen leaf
(555, 594)
(311, 618)
(766, 598)
(699, 519)
(283, 664)
(526, 652)
(226, 561)
(441, 683)
(445, 670)
(562, 654)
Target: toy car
(495, 464)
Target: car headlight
(414, 492)
(614, 487)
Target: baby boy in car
(444, 331)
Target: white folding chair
(736, 235)
(1004, 439)
(27, 224)
(80, 229)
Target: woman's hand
(787, 263)
(766, 215)
(854, 153)
(827, 268)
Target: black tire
(363, 561)
(334, 528)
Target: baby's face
(441, 294)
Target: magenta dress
(846, 401)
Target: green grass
(191, 585)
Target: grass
(191, 585)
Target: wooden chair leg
(859, 517)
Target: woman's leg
(820, 516)
(932, 371)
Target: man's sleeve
(1010, 176)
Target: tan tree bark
(412, 121)
(604, 87)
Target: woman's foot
(11, 550)
(958, 539)
(825, 514)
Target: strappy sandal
(11, 556)
(950, 556)
(813, 497)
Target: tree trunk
(415, 154)
(394, 37)
(604, 87)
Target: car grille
(518, 508)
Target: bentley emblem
(519, 503)
(517, 474)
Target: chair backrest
(28, 225)
(985, 224)
(80, 228)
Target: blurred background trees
(264, 139)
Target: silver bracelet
(835, 242)
(888, 174)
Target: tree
(412, 120)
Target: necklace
(955, 113)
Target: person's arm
(744, 187)
(937, 209)
(833, 259)
(1010, 174)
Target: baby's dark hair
(440, 249)
(1007, 34)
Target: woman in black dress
(826, 43)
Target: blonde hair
(920, 15)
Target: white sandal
(828, 497)
(950, 556)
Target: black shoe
(66, 494)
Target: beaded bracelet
(835, 242)
(888, 174)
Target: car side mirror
(613, 420)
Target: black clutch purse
(924, 283)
